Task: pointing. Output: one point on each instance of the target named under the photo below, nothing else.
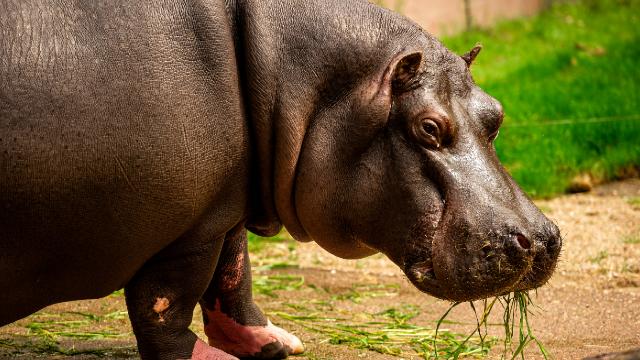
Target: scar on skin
(233, 273)
(160, 306)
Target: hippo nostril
(518, 246)
(523, 241)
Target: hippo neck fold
(297, 59)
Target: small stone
(581, 183)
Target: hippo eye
(429, 133)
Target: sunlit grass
(258, 243)
(599, 257)
(394, 332)
(634, 202)
(632, 239)
(46, 332)
(268, 284)
(391, 332)
(515, 323)
(570, 85)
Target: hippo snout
(547, 246)
(523, 249)
(469, 260)
(546, 242)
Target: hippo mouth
(420, 270)
(461, 266)
(540, 271)
(417, 262)
(422, 274)
(476, 281)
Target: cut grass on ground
(634, 202)
(570, 85)
(632, 239)
(390, 331)
(49, 333)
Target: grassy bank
(570, 84)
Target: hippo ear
(471, 55)
(405, 70)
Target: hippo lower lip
(531, 280)
(420, 270)
(419, 266)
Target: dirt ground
(591, 305)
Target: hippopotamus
(140, 140)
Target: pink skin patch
(202, 351)
(161, 305)
(243, 341)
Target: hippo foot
(202, 351)
(250, 341)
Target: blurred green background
(569, 81)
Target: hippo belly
(83, 234)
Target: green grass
(257, 243)
(634, 202)
(632, 240)
(72, 325)
(360, 292)
(570, 86)
(599, 257)
(268, 284)
(46, 332)
(391, 332)
(515, 320)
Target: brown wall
(442, 17)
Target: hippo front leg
(233, 322)
(163, 293)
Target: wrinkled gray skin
(135, 135)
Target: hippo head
(405, 164)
